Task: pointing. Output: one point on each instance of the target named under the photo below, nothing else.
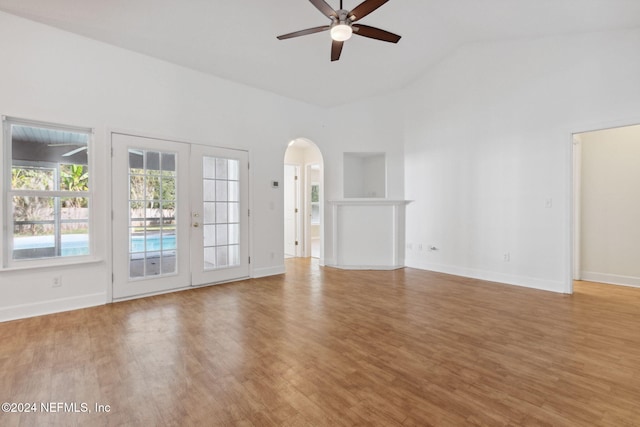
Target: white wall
(58, 77)
(488, 145)
(610, 207)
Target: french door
(180, 215)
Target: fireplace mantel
(368, 234)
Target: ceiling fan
(72, 152)
(343, 25)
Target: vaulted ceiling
(236, 40)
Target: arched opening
(303, 200)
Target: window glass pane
(152, 162)
(221, 168)
(74, 178)
(221, 212)
(153, 219)
(31, 178)
(136, 187)
(47, 159)
(168, 262)
(168, 185)
(43, 147)
(75, 241)
(34, 227)
(136, 265)
(209, 167)
(221, 191)
(168, 213)
(221, 256)
(233, 169)
(220, 184)
(234, 191)
(234, 255)
(234, 214)
(209, 190)
(209, 235)
(153, 189)
(221, 235)
(209, 258)
(168, 164)
(315, 193)
(315, 214)
(234, 234)
(168, 239)
(209, 213)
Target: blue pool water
(78, 244)
(153, 243)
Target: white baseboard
(366, 267)
(492, 276)
(612, 279)
(53, 306)
(268, 271)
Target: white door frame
(299, 206)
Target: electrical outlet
(56, 282)
(420, 246)
(548, 203)
(506, 257)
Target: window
(315, 203)
(47, 189)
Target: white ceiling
(236, 40)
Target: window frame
(6, 213)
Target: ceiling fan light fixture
(341, 32)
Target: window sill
(30, 265)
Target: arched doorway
(303, 196)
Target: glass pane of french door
(150, 215)
(220, 240)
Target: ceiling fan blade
(365, 8)
(304, 32)
(323, 7)
(375, 33)
(72, 152)
(336, 50)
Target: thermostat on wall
(275, 184)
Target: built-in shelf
(368, 233)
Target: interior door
(220, 214)
(150, 215)
(180, 215)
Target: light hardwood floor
(329, 347)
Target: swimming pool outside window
(47, 188)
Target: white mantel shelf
(368, 234)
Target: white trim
(368, 202)
(267, 271)
(491, 276)
(22, 311)
(611, 279)
(366, 267)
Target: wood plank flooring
(337, 348)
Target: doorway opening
(303, 196)
(606, 206)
